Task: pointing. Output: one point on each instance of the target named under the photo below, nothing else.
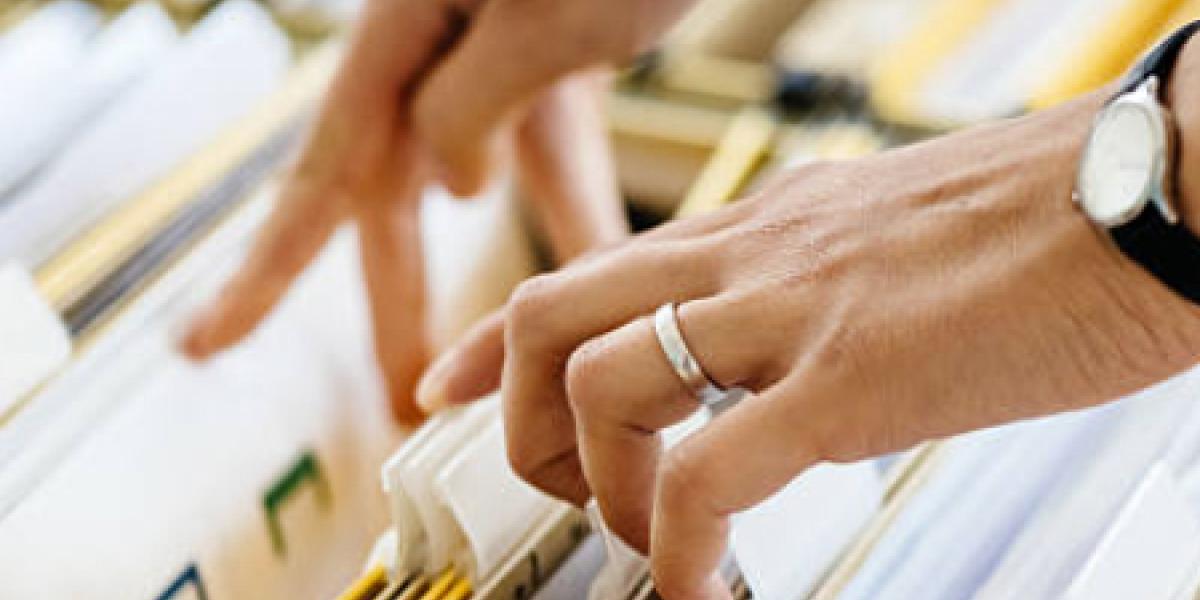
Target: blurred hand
(432, 86)
(868, 306)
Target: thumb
(513, 50)
(469, 370)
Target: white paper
(1149, 551)
(958, 550)
(408, 533)
(623, 568)
(494, 509)
(963, 459)
(168, 461)
(226, 66)
(1053, 546)
(440, 536)
(487, 256)
(44, 47)
(171, 459)
(36, 123)
(786, 544)
(33, 340)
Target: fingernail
(431, 391)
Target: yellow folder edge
(1106, 52)
(743, 147)
(367, 586)
(897, 82)
(11, 14)
(445, 583)
(460, 591)
(1186, 12)
(647, 117)
(717, 77)
(72, 272)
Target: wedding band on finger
(685, 365)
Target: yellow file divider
(742, 149)
(368, 586)
(13, 13)
(897, 82)
(1107, 52)
(447, 582)
(1187, 11)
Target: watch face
(1120, 164)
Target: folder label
(306, 470)
(33, 340)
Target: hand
(868, 305)
(440, 79)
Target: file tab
(34, 342)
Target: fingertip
(195, 341)
(406, 412)
(463, 185)
(459, 152)
(191, 346)
(431, 391)
(462, 171)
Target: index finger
(351, 148)
(298, 227)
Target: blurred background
(140, 146)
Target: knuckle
(522, 459)
(531, 302)
(682, 477)
(585, 370)
(840, 353)
(825, 439)
(839, 433)
(577, 40)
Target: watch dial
(1119, 165)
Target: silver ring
(666, 327)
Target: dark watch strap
(1169, 252)
(1160, 60)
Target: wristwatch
(1126, 179)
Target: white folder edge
(34, 342)
(439, 535)
(1150, 549)
(493, 508)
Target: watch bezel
(1157, 187)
